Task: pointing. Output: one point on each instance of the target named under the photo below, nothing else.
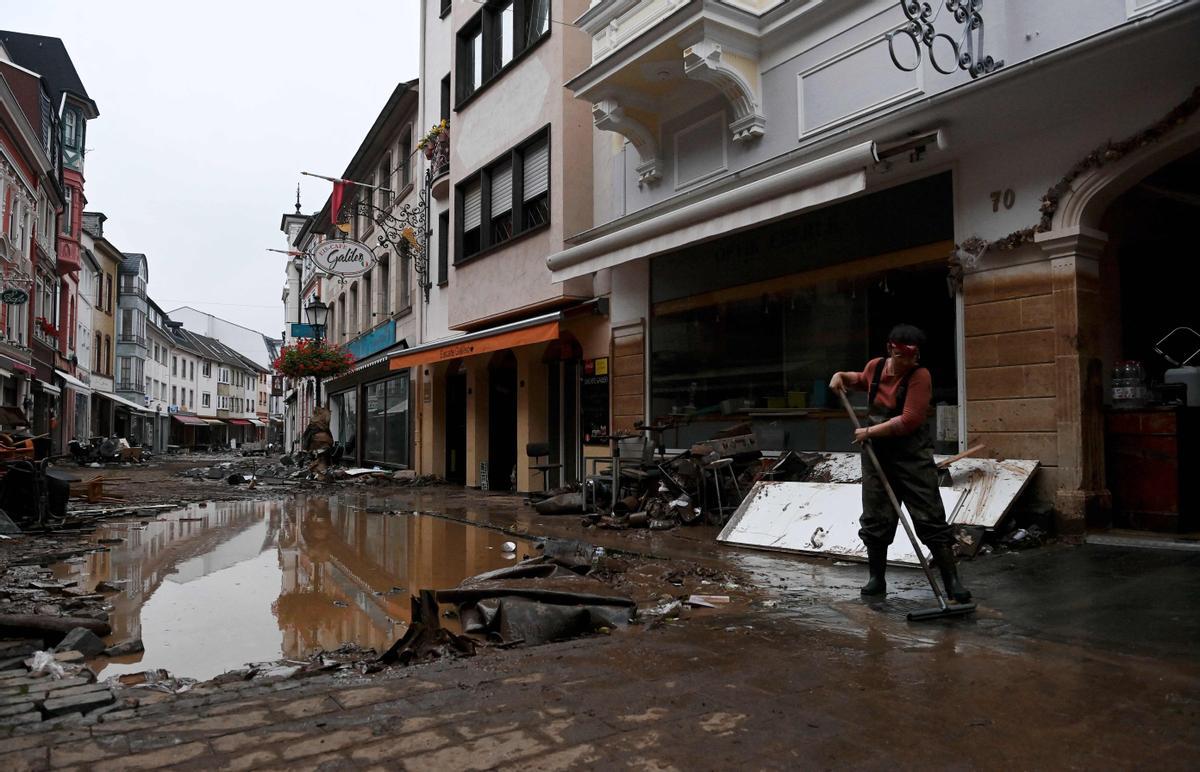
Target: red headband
(904, 348)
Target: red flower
(313, 358)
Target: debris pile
(304, 466)
(51, 687)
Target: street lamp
(317, 313)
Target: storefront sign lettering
(454, 352)
(344, 257)
(14, 296)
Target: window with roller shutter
(506, 199)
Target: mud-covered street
(1080, 656)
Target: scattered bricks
(119, 715)
(124, 648)
(82, 640)
(58, 706)
(74, 691)
(37, 689)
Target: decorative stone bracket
(709, 62)
(610, 116)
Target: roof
(48, 57)
(374, 142)
(211, 348)
(129, 260)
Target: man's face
(905, 356)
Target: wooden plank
(812, 519)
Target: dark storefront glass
(386, 417)
(343, 422)
(750, 327)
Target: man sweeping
(899, 391)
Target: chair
(536, 451)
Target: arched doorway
(1145, 297)
(456, 422)
(502, 420)
(1088, 332)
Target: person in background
(899, 391)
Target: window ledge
(503, 244)
(469, 98)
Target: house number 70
(1006, 197)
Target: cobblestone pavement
(756, 690)
(1077, 659)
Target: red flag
(339, 190)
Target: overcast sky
(208, 113)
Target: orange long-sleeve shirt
(916, 404)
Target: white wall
(249, 343)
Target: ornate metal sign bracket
(407, 228)
(968, 49)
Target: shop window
(387, 421)
(749, 327)
(343, 422)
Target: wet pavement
(1079, 657)
(209, 588)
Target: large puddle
(210, 588)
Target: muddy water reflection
(209, 589)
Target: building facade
(504, 348)
(64, 118)
(104, 327)
(27, 173)
(773, 191)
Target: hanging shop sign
(344, 257)
(14, 296)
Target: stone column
(1074, 255)
(532, 412)
(477, 417)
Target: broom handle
(912, 536)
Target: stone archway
(1074, 245)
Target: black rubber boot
(877, 563)
(948, 565)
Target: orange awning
(471, 345)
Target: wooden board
(813, 519)
(991, 485)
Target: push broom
(944, 609)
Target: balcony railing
(134, 387)
(139, 340)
